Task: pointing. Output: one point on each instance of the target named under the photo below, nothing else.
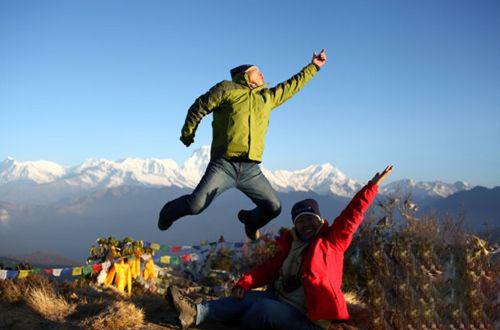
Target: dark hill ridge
(40, 259)
(480, 205)
(71, 226)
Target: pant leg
(255, 185)
(229, 309)
(271, 313)
(219, 176)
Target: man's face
(255, 77)
(307, 225)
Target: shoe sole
(170, 299)
(164, 226)
(247, 229)
(257, 234)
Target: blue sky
(413, 83)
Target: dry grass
(118, 315)
(13, 291)
(10, 292)
(47, 303)
(352, 298)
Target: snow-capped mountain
(53, 182)
(194, 167)
(424, 189)
(103, 173)
(38, 172)
(322, 179)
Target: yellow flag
(110, 276)
(155, 246)
(77, 271)
(23, 273)
(165, 259)
(149, 272)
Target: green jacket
(241, 114)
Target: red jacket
(323, 261)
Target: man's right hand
(186, 141)
(238, 292)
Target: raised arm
(201, 107)
(346, 224)
(285, 90)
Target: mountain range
(44, 182)
(62, 210)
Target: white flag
(105, 265)
(3, 274)
(56, 272)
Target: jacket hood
(239, 76)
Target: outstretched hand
(319, 59)
(379, 177)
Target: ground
(37, 303)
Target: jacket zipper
(249, 121)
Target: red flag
(176, 248)
(186, 258)
(96, 268)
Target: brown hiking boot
(251, 232)
(185, 308)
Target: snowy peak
(195, 166)
(323, 179)
(38, 171)
(103, 173)
(425, 189)
(95, 173)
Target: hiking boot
(164, 222)
(185, 308)
(252, 233)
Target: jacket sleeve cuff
(372, 185)
(186, 139)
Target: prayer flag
(11, 274)
(87, 270)
(96, 268)
(77, 271)
(175, 260)
(23, 273)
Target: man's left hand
(379, 177)
(319, 59)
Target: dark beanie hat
(240, 69)
(305, 206)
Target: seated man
(304, 277)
